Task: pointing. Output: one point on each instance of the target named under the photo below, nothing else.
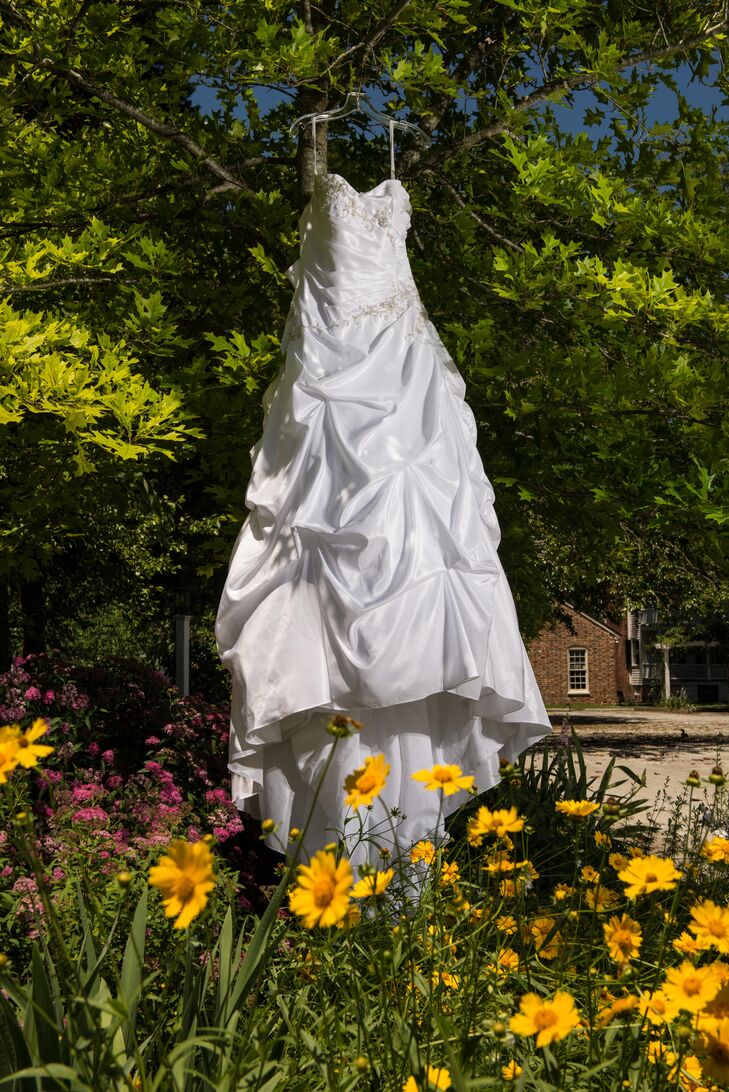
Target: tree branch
(62, 282)
(372, 39)
(578, 79)
(171, 132)
(474, 215)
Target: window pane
(577, 669)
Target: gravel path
(666, 745)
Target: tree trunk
(309, 102)
(666, 671)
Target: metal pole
(182, 653)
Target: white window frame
(578, 690)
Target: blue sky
(661, 108)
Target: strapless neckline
(361, 193)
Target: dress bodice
(383, 211)
(353, 256)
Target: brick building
(581, 662)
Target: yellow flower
(550, 1021)
(450, 779)
(602, 841)
(366, 782)
(688, 1074)
(511, 1071)
(590, 875)
(439, 940)
(646, 874)
(437, 1078)
(508, 959)
(710, 925)
(352, 917)
(184, 877)
(576, 809)
(499, 866)
(528, 871)
(507, 924)
(623, 937)
(601, 898)
(376, 883)
(691, 988)
(656, 1051)
(621, 1007)
(459, 901)
(323, 890)
(688, 945)
(30, 751)
(540, 929)
(423, 851)
(618, 861)
(657, 1008)
(9, 736)
(716, 850)
(718, 1009)
(712, 1049)
(449, 874)
(445, 978)
(500, 822)
(562, 891)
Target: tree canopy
(576, 273)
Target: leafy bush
(134, 765)
(543, 946)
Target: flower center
(545, 1018)
(366, 782)
(717, 928)
(23, 742)
(442, 775)
(323, 893)
(624, 940)
(692, 986)
(185, 887)
(719, 1051)
(651, 877)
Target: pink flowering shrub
(135, 765)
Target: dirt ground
(666, 745)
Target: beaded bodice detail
(342, 200)
(353, 263)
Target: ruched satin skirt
(366, 579)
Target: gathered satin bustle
(365, 578)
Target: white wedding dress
(365, 578)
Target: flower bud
(342, 726)
(208, 839)
(268, 826)
(124, 879)
(611, 806)
(499, 1029)
(294, 834)
(693, 779)
(22, 817)
(4, 961)
(716, 777)
(362, 1064)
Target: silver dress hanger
(358, 100)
